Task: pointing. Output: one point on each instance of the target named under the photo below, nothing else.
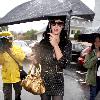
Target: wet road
(74, 90)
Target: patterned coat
(52, 69)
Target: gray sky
(7, 5)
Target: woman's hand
(32, 59)
(54, 39)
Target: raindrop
(61, 1)
(39, 1)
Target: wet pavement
(77, 85)
(75, 88)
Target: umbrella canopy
(41, 9)
(98, 30)
(87, 37)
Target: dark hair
(5, 42)
(95, 35)
(92, 46)
(63, 34)
(62, 18)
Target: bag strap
(37, 70)
(14, 60)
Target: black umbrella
(35, 10)
(87, 37)
(41, 9)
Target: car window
(77, 46)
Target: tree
(30, 35)
(76, 35)
(3, 28)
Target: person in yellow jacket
(10, 69)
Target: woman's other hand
(54, 39)
(32, 59)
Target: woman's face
(56, 26)
(97, 42)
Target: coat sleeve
(65, 60)
(1, 59)
(90, 61)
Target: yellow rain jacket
(10, 70)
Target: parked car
(24, 46)
(77, 47)
(28, 41)
(33, 43)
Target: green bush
(76, 35)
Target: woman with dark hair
(54, 54)
(91, 60)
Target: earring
(49, 28)
(49, 25)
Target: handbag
(23, 74)
(33, 83)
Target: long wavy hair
(95, 35)
(63, 34)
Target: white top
(98, 71)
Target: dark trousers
(7, 90)
(95, 89)
(92, 92)
(97, 84)
(45, 97)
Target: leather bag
(33, 83)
